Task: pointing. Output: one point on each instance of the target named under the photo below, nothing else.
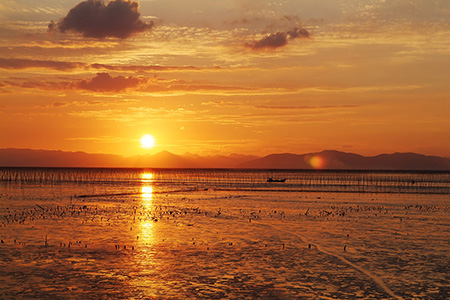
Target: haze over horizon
(296, 76)
(324, 160)
(187, 153)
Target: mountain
(219, 161)
(336, 160)
(162, 159)
(166, 159)
(49, 158)
(328, 159)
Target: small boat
(276, 180)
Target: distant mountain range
(336, 160)
(328, 159)
(49, 158)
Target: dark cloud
(94, 18)
(298, 33)
(103, 82)
(18, 64)
(279, 39)
(52, 26)
(274, 40)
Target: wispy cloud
(106, 83)
(417, 11)
(186, 86)
(18, 64)
(95, 19)
(39, 84)
(300, 107)
(102, 82)
(143, 68)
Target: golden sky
(222, 77)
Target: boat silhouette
(276, 180)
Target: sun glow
(147, 176)
(147, 141)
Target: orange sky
(221, 77)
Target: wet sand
(226, 244)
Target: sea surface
(223, 234)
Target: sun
(147, 141)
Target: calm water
(223, 234)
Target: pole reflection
(147, 203)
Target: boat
(276, 180)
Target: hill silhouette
(49, 158)
(336, 160)
(328, 159)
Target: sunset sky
(221, 77)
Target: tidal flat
(221, 234)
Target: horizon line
(230, 154)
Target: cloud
(279, 39)
(103, 82)
(274, 40)
(60, 104)
(411, 11)
(149, 68)
(94, 18)
(18, 64)
(39, 84)
(297, 107)
(298, 33)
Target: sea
(83, 233)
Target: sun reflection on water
(147, 176)
(147, 196)
(147, 203)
